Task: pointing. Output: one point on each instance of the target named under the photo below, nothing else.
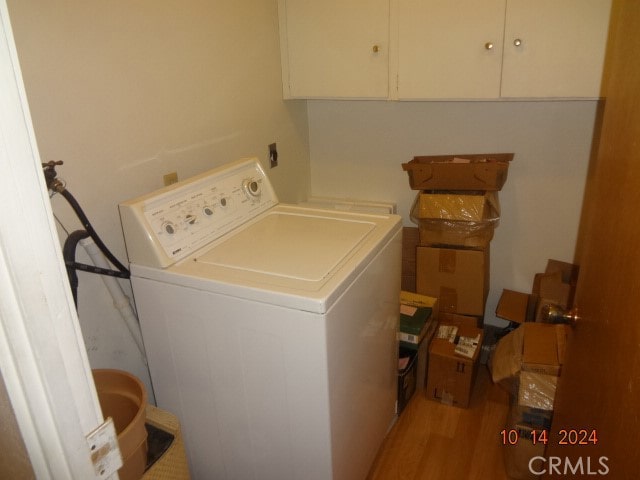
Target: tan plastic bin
(123, 397)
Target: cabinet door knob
(488, 46)
(375, 49)
(517, 42)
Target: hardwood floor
(432, 441)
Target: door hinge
(105, 452)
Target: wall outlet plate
(273, 155)
(170, 178)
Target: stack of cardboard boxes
(456, 210)
(528, 361)
(418, 321)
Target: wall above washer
(357, 149)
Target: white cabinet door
(449, 48)
(334, 49)
(554, 48)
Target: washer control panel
(165, 226)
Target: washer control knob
(169, 227)
(190, 219)
(252, 188)
(224, 202)
(207, 210)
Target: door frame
(43, 360)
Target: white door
(43, 360)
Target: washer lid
(293, 246)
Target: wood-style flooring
(432, 441)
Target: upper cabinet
(449, 48)
(443, 49)
(554, 48)
(334, 48)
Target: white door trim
(43, 360)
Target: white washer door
(293, 246)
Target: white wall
(124, 92)
(357, 149)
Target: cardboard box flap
(533, 347)
(544, 347)
(568, 271)
(516, 306)
(506, 360)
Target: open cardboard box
(458, 172)
(538, 348)
(451, 376)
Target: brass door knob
(517, 42)
(375, 49)
(488, 46)
(555, 314)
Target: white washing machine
(270, 329)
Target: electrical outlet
(273, 155)
(170, 178)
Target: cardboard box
(458, 172)
(517, 457)
(458, 320)
(450, 375)
(532, 347)
(406, 378)
(410, 240)
(540, 419)
(537, 390)
(458, 278)
(556, 286)
(544, 348)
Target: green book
(414, 323)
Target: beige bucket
(123, 397)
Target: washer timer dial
(252, 188)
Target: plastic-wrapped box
(456, 219)
(537, 390)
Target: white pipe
(120, 300)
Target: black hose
(69, 255)
(91, 232)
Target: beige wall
(357, 149)
(124, 92)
